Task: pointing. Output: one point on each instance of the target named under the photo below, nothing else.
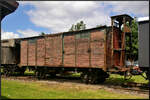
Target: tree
(134, 41)
(78, 26)
(42, 33)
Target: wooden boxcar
(93, 52)
(83, 49)
(78, 50)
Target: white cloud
(28, 33)
(138, 8)
(19, 34)
(8, 35)
(58, 16)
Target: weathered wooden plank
(40, 52)
(69, 51)
(97, 49)
(24, 53)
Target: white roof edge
(140, 19)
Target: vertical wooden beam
(45, 50)
(75, 50)
(27, 51)
(36, 53)
(112, 47)
(62, 38)
(105, 45)
(122, 58)
(90, 65)
(52, 56)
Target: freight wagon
(93, 52)
(144, 50)
(10, 56)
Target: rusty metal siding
(97, 49)
(24, 53)
(69, 50)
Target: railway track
(130, 86)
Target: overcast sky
(33, 17)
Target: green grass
(118, 79)
(15, 89)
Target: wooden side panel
(31, 52)
(24, 53)
(49, 51)
(82, 47)
(57, 50)
(116, 45)
(69, 51)
(97, 49)
(40, 52)
(116, 39)
(53, 51)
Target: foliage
(79, 26)
(134, 41)
(42, 33)
(116, 79)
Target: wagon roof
(85, 30)
(120, 17)
(53, 34)
(142, 19)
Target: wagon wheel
(5, 72)
(52, 75)
(127, 75)
(42, 75)
(36, 73)
(91, 79)
(101, 79)
(21, 71)
(84, 77)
